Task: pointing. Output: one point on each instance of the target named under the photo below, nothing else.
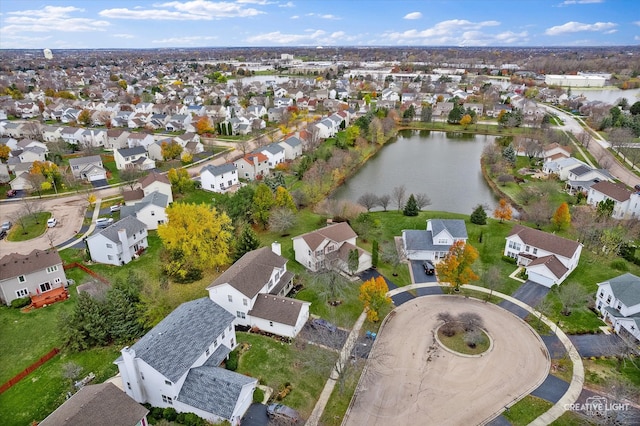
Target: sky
(87, 24)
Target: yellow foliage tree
(455, 268)
(196, 237)
(466, 120)
(203, 125)
(170, 150)
(284, 199)
(503, 211)
(4, 153)
(373, 293)
(562, 217)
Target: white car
(52, 222)
(103, 222)
(114, 208)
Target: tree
(503, 211)
(562, 218)
(455, 268)
(373, 293)
(422, 200)
(180, 180)
(84, 117)
(604, 208)
(284, 200)
(398, 195)
(262, 204)
(329, 285)
(281, 219)
(383, 201)
(479, 215)
(203, 125)
(465, 121)
(368, 200)
(4, 153)
(353, 261)
(130, 175)
(411, 208)
(122, 307)
(374, 253)
(509, 154)
(170, 150)
(248, 241)
(196, 237)
(573, 297)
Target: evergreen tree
(353, 261)
(374, 253)
(479, 215)
(247, 242)
(411, 208)
(509, 154)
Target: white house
(554, 152)
(177, 364)
(254, 289)
(151, 210)
(21, 182)
(433, 243)
(22, 275)
(618, 300)
(329, 247)
(219, 178)
(133, 157)
(140, 139)
(547, 258)
(292, 148)
(89, 168)
(581, 178)
(252, 165)
(156, 182)
(274, 153)
(626, 204)
(561, 167)
(118, 243)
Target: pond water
(444, 166)
(609, 96)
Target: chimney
(124, 241)
(275, 247)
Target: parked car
(114, 208)
(283, 413)
(52, 222)
(429, 269)
(322, 323)
(3, 233)
(12, 193)
(6, 225)
(103, 222)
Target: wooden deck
(49, 297)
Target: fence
(24, 373)
(87, 270)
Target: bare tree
(130, 175)
(243, 146)
(281, 220)
(422, 200)
(368, 200)
(573, 297)
(492, 279)
(399, 194)
(384, 200)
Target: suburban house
(252, 165)
(23, 275)
(89, 168)
(619, 302)
(118, 243)
(547, 258)
(292, 148)
(254, 289)
(275, 154)
(150, 210)
(328, 248)
(433, 243)
(99, 405)
(561, 166)
(133, 157)
(156, 182)
(177, 364)
(21, 182)
(581, 178)
(219, 178)
(626, 204)
(555, 151)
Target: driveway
(531, 293)
(589, 345)
(256, 415)
(419, 276)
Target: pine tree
(479, 215)
(411, 208)
(247, 242)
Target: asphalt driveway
(399, 298)
(531, 293)
(419, 276)
(597, 344)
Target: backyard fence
(24, 373)
(87, 270)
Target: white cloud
(445, 33)
(280, 38)
(287, 4)
(636, 23)
(413, 15)
(195, 10)
(324, 16)
(50, 19)
(574, 27)
(123, 35)
(295, 17)
(183, 41)
(571, 2)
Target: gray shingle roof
(136, 150)
(91, 159)
(455, 227)
(214, 390)
(273, 148)
(130, 224)
(292, 141)
(626, 288)
(218, 170)
(156, 198)
(422, 240)
(172, 346)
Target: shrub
(20, 302)
(509, 260)
(620, 265)
(170, 414)
(258, 395)
(232, 362)
(156, 413)
(191, 419)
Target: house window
(527, 249)
(309, 252)
(232, 343)
(167, 400)
(222, 335)
(442, 241)
(22, 292)
(245, 302)
(57, 280)
(215, 344)
(609, 299)
(270, 323)
(207, 352)
(141, 375)
(601, 295)
(129, 385)
(110, 257)
(167, 382)
(535, 250)
(240, 314)
(21, 278)
(619, 306)
(153, 213)
(213, 186)
(230, 297)
(109, 245)
(45, 287)
(51, 269)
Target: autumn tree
(262, 203)
(283, 199)
(465, 121)
(562, 218)
(170, 150)
(373, 293)
(196, 237)
(503, 211)
(203, 125)
(4, 153)
(84, 117)
(180, 180)
(455, 268)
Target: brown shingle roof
(154, 177)
(278, 309)
(543, 240)
(135, 195)
(552, 263)
(612, 190)
(251, 272)
(15, 264)
(338, 232)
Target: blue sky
(59, 24)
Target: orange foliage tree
(373, 293)
(203, 125)
(503, 211)
(455, 268)
(562, 218)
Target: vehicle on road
(52, 222)
(103, 222)
(283, 413)
(114, 208)
(6, 225)
(3, 233)
(12, 193)
(322, 323)
(429, 269)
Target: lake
(445, 166)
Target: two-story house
(626, 204)
(254, 289)
(156, 182)
(434, 242)
(89, 168)
(275, 154)
(292, 148)
(35, 273)
(547, 258)
(133, 157)
(177, 364)
(151, 210)
(219, 178)
(252, 165)
(329, 248)
(118, 243)
(618, 300)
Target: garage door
(540, 279)
(97, 176)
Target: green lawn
(526, 410)
(29, 227)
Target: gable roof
(155, 198)
(337, 232)
(172, 346)
(219, 170)
(251, 272)
(625, 288)
(130, 224)
(455, 227)
(292, 141)
(98, 405)
(154, 177)
(91, 159)
(552, 263)
(612, 190)
(136, 194)
(136, 150)
(283, 310)
(15, 264)
(543, 240)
